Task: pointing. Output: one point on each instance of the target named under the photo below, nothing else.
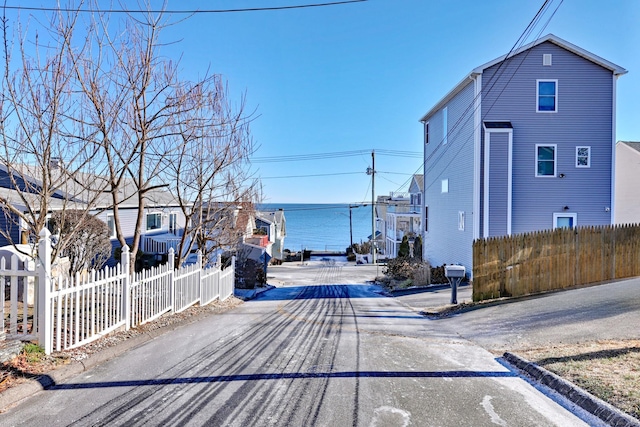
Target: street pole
(372, 171)
(373, 204)
(350, 226)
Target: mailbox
(451, 271)
(455, 274)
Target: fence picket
(554, 259)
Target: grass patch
(609, 369)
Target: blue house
(525, 142)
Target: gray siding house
(522, 143)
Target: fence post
(219, 261)
(172, 287)
(45, 320)
(125, 265)
(200, 275)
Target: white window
(112, 226)
(583, 157)
(154, 221)
(461, 220)
(546, 59)
(547, 96)
(445, 186)
(546, 160)
(565, 220)
(444, 125)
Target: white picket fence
(69, 313)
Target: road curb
(595, 406)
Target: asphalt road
(301, 355)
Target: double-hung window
(546, 160)
(583, 157)
(547, 96)
(154, 221)
(112, 226)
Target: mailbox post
(455, 274)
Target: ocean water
(322, 227)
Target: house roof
(419, 180)
(271, 217)
(86, 189)
(631, 144)
(615, 69)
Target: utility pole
(372, 171)
(351, 225)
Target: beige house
(627, 176)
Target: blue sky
(359, 76)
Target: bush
(437, 275)
(362, 248)
(418, 271)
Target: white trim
(547, 60)
(555, 160)
(487, 153)
(613, 148)
(588, 147)
(111, 235)
(146, 222)
(510, 183)
(477, 142)
(445, 126)
(460, 220)
(557, 215)
(487, 149)
(538, 81)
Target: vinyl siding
(627, 209)
(584, 118)
(10, 225)
(498, 183)
(444, 243)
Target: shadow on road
(321, 291)
(285, 376)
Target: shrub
(418, 271)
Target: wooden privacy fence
(67, 312)
(536, 262)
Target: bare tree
(117, 119)
(88, 247)
(165, 132)
(208, 168)
(42, 151)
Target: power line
(190, 12)
(441, 149)
(334, 155)
(330, 174)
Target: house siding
(498, 183)
(583, 118)
(627, 209)
(10, 225)
(444, 242)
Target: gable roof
(631, 144)
(419, 180)
(615, 69)
(85, 188)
